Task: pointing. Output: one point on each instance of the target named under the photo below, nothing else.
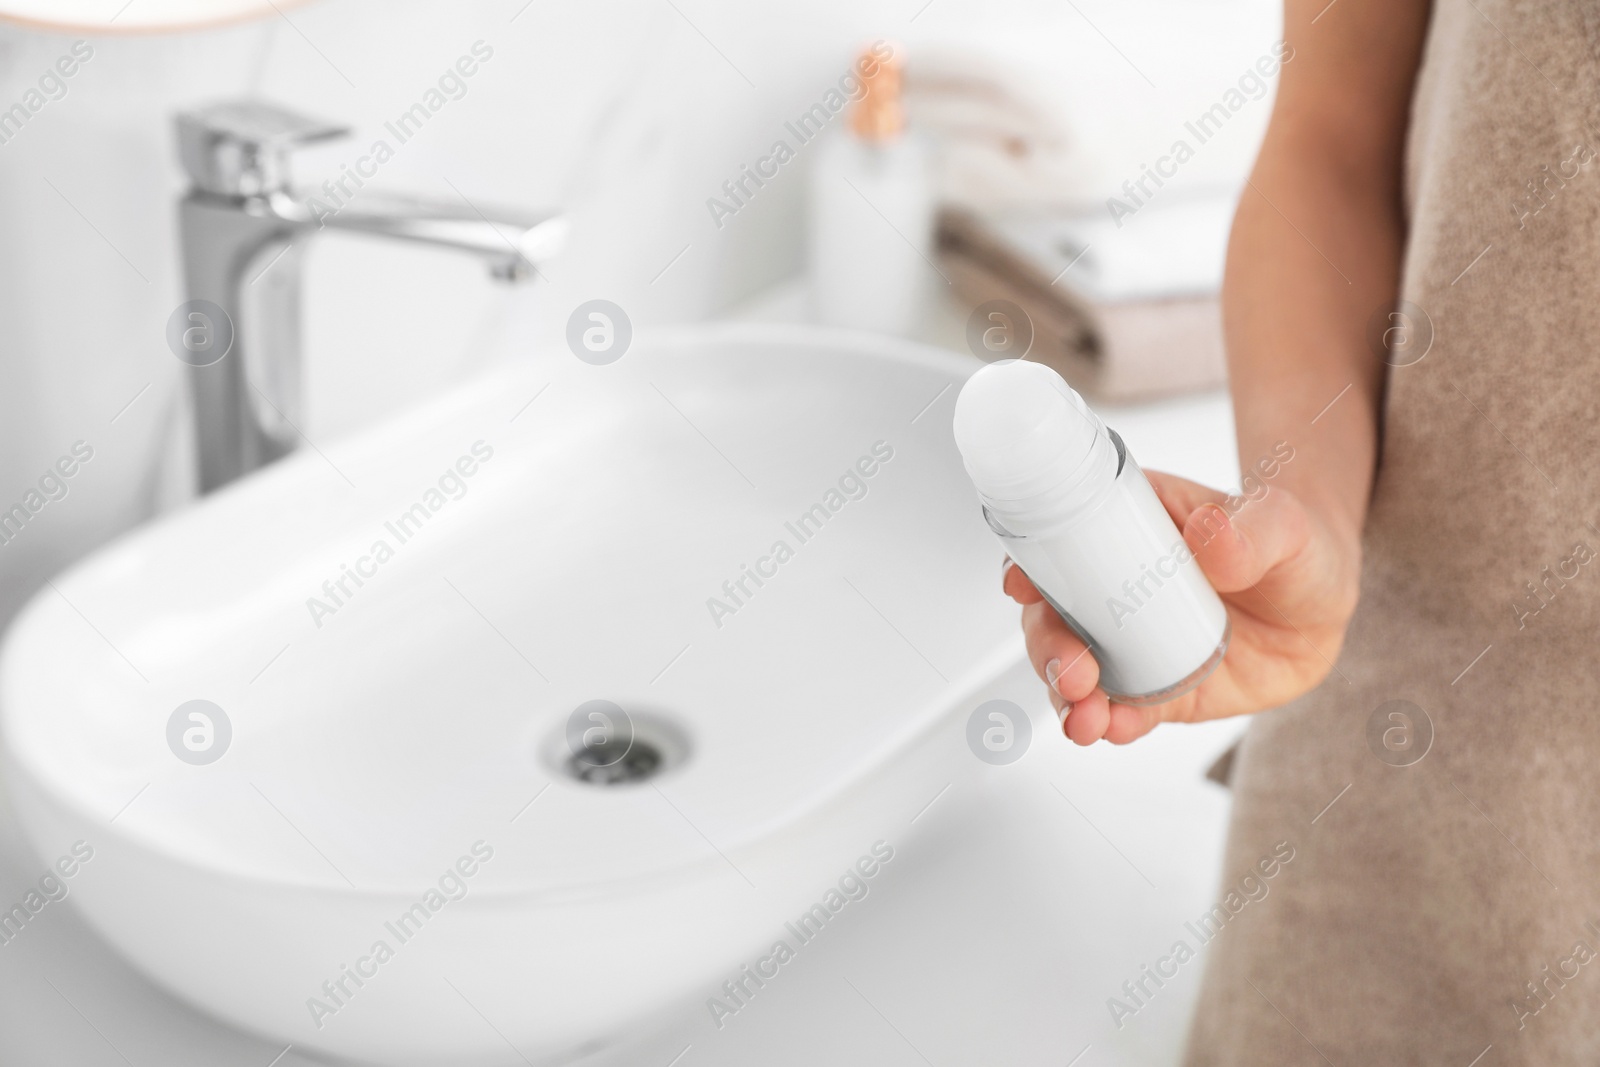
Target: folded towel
(1123, 312)
(1003, 132)
(1039, 117)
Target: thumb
(1237, 551)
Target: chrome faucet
(244, 229)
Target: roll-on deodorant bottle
(1075, 512)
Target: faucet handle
(241, 147)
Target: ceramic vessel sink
(757, 542)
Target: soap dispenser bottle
(871, 239)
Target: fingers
(1236, 541)
(1180, 496)
(1129, 723)
(1058, 655)
(1236, 551)
(1095, 718)
(1017, 585)
(1260, 545)
(1086, 721)
(1071, 674)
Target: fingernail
(1211, 520)
(1062, 712)
(1005, 568)
(1227, 521)
(1052, 673)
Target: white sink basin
(417, 722)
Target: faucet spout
(244, 230)
(513, 243)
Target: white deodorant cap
(1023, 431)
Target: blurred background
(629, 114)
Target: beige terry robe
(1445, 892)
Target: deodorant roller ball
(1076, 513)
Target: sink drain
(605, 745)
(615, 763)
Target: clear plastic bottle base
(1176, 690)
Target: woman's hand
(1289, 582)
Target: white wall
(630, 113)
